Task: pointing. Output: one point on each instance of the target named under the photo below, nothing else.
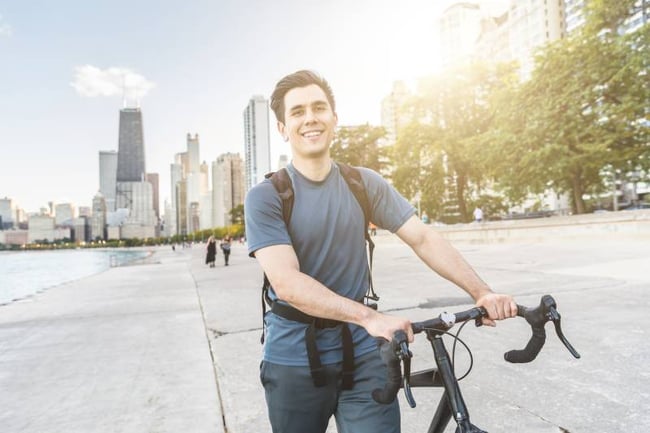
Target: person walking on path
(211, 253)
(225, 248)
(478, 214)
(318, 270)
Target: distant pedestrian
(373, 229)
(225, 247)
(478, 214)
(211, 254)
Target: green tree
(452, 111)
(418, 168)
(237, 214)
(360, 146)
(585, 108)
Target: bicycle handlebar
(397, 351)
(392, 352)
(537, 318)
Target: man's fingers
(498, 307)
(489, 322)
(513, 308)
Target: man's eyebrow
(296, 107)
(313, 104)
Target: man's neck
(315, 169)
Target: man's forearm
(447, 261)
(311, 297)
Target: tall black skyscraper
(130, 154)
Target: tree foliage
(237, 214)
(360, 146)
(584, 108)
(440, 148)
(418, 170)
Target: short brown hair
(301, 78)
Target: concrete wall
(633, 225)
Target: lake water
(24, 273)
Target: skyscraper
(227, 187)
(7, 213)
(531, 25)
(188, 182)
(460, 25)
(64, 214)
(108, 177)
(257, 141)
(130, 154)
(193, 153)
(391, 117)
(133, 192)
(154, 180)
(98, 218)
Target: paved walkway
(122, 351)
(133, 349)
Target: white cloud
(5, 29)
(91, 81)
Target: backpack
(282, 183)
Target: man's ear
(281, 130)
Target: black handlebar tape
(532, 349)
(388, 353)
(537, 319)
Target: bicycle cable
(453, 353)
(453, 349)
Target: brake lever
(554, 316)
(405, 355)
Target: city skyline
(190, 69)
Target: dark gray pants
(295, 405)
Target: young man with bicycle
(318, 274)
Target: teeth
(311, 134)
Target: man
(478, 215)
(318, 266)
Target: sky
(192, 66)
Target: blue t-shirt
(328, 235)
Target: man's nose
(310, 115)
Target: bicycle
(396, 352)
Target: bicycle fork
(451, 403)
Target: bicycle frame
(452, 401)
(452, 404)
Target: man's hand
(498, 307)
(385, 326)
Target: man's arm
(303, 292)
(443, 258)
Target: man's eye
(297, 112)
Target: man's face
(309, 121)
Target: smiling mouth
(312, 134)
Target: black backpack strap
(315, 366)
(352, 177)
(282, 184)
(265, 299)
(348, 357)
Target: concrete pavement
(601, 288)
(175, 345)
(122, 351)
